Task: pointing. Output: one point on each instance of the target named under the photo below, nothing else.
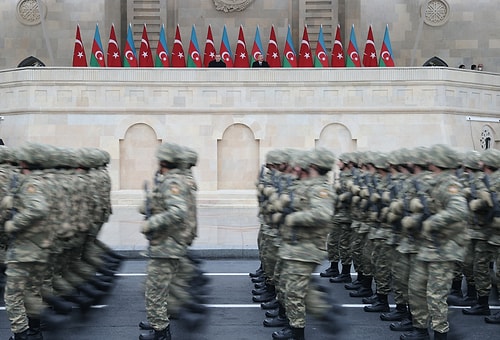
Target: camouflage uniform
(168, 231)
(339, 239)
(303, 245)
(442, 241)
(32, 233)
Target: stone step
(236, 198)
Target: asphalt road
(232, 315)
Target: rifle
(495, 212)
(289, 208)
(426, 212)
(12, 190)
(473, 193)
(147, 208)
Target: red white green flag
(97, 57)
(289, 55)
(194, 58)
(320, 58)
(386, 56)
(161, 58)
(353, 59)
(130, 54)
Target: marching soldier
(169, 232)
(441, 242)
(303, 241)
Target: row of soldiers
(54, 202)
(411, 222)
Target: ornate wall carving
(232, 5)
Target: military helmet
(443, 156)
(190, 156)
(491, 158)
(419, 156)
(379, 160)
(322, 158)
(89, 157)
(5, 154)
(169, 152)
(277, 156)
(301, 159)
(41, 155)
(346, 157)
(472, 160)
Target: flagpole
(45, 37)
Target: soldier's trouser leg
(270, 256)
(484, 253)
(356, 248)
(429, 288)
(22, 293)
(179, 287)
(345, 244)
(160, 273)
(366, 264)
(400, 275)
(383, 263)
(332, 244)
(280, 290)
(295, 278)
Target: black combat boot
(283, 334)
(259, 285)
(20, 336)
(258, 272)
(366, 288)
(273, 304)
(279, 321)
(480, 308)
(398, 314)
(332, 271)
(272, 313)
(267, 288)
(495, 318)
(380, 306)
(35, 330)
(157, 335)
(258, 279)
(416, 334)
(356, 284)
(455, 297)
(440, 336)
(145, 325)
(370, 300)
(100, 284)
(267, 296)
(470, 298)
(405, 325)
(345, 276)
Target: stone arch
(237, 158)
(137, 156)
(336, 137)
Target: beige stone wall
(233, 117)
(468, 36)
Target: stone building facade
(232, 117)
(459, 31)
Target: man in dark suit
(217, 62)
(260, 62)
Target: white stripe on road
(206, 274)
